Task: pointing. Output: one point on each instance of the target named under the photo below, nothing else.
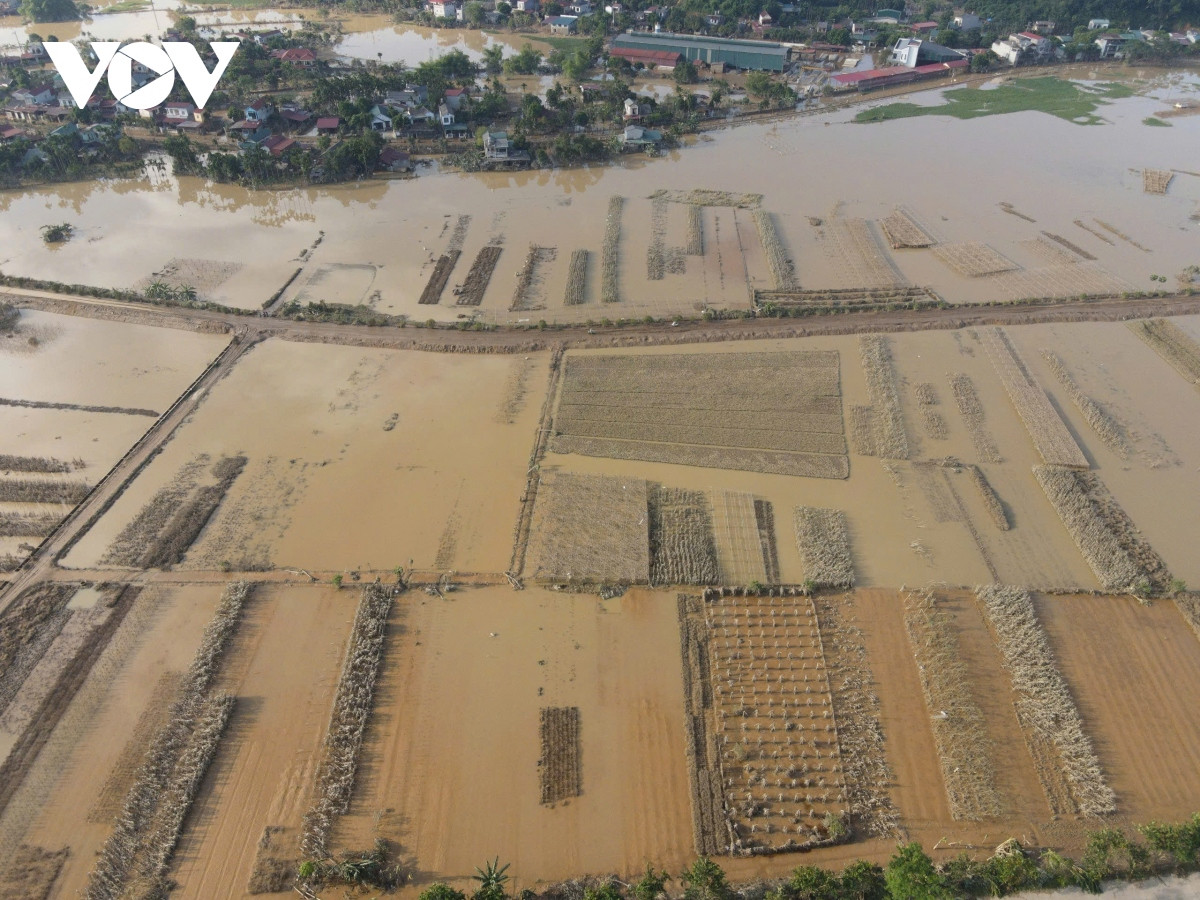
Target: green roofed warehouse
(762, 55)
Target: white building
(1098, 24)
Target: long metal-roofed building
(762, 55)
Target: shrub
(910, 875)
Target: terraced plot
(763, 412)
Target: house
(1098, 24)
(453, 98)
(496, 145)
(293, 115)
(259, 111)
(263, 37)
(713, 20)
(94, 134)
(445, 115)
(578, 7)
(176, 112)
(422, 115)
(529, 6)
(562, 24)
(635, 137)
(328, 124)
(888, 17)
(912, 52)
(967, 21)
(924, 28)
(1042, 26)
(10, 133)
(380, 120)
(1110, 45)
(277, 145)
(34, 95)
(256, 138)
(633, 110)
(443, 9)
(296, 56)
(69, 130)
(393, 160)
(765, 20)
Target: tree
(49, 11)
(439, 891)
(337, 581)
(910, 875)
(56, 234)
(862, 880)
(685, 72)
(473, 13)
(813, 883)
(650, 886)
(525, 62)
(705, 880)
(492, 879)
(493, 59)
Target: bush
(910, 875)
(440, 891)
(705, 880)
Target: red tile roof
(328, 122)
(896, 73)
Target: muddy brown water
(951, 175)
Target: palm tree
(491, 880)
(158, 290)
(186, 293)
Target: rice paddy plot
(1156, 181)
(527, 294)
(965, 753)
(472, 290)
(773, 724)
(752, 411)
(880, 426)
(973, 259)
(1106, 536)
(682, 545)
(862, 259)
(706, 197)
(902, 230)
(559, 765)
(576, 290)
(824, 542)
(1173, 344)
(610, 252)
(1051, 437)
(971, 409)
(1050, 720)
(742, 551)
(590, 528)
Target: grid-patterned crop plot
(774, 724)
(759, 412)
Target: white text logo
(164, 61)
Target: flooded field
(1065, 216)
(371, 460)
(60, 433)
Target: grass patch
(555, 42)
(1066, 99)
(122, 6)
(1155, 122)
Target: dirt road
(505, 340)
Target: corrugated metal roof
(896, 72)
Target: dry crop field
(758, 412)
